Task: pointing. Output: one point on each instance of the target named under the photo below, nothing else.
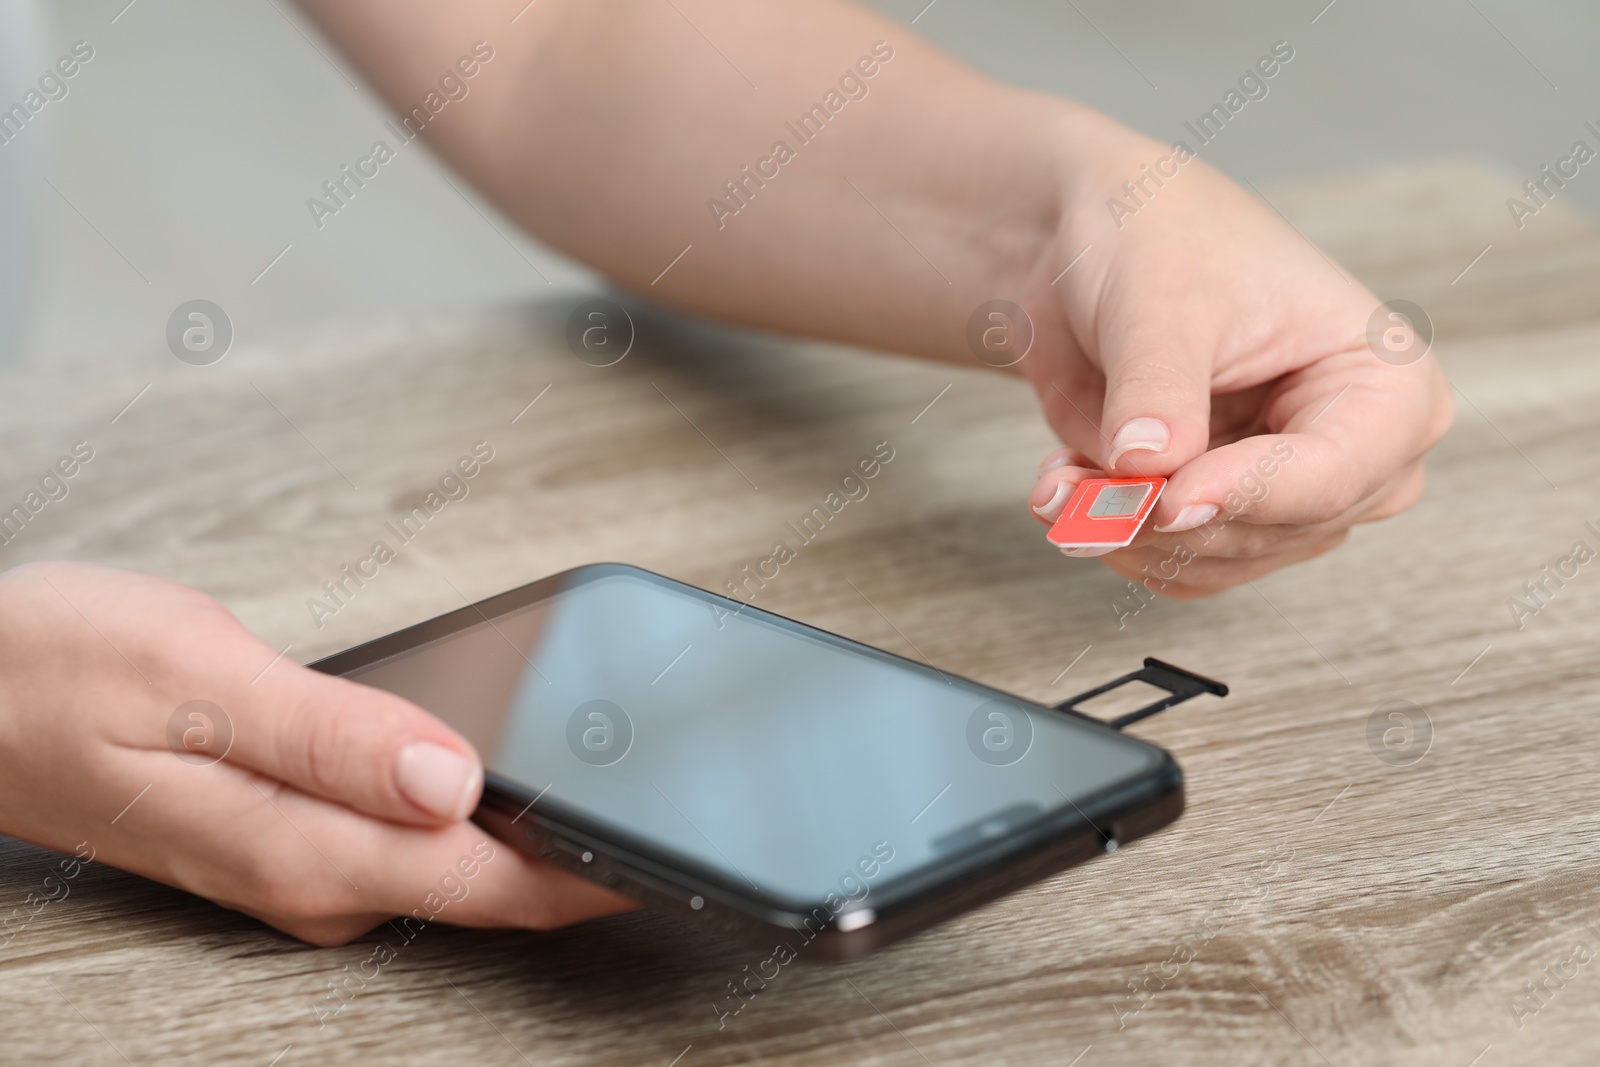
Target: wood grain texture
(1406, 906)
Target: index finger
(1346, 425)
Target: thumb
(355, 745)
(1157, 412)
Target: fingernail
(1051, 509)
(1138, 435)
(436, 779)
(1058, 458)
(1086, 553)
(1191, 516)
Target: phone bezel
(898, 906)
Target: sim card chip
(1119, 501)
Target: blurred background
(178, 164)
(175, 165)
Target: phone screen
(784, 759)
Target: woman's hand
(1198, 337)
(319, 806)
(1202, 338)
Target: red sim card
(1105, 512)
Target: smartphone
(756, 775)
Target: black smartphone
(757, 775)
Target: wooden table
(1317, 903)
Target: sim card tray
(1181, 684)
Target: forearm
(611, 129)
